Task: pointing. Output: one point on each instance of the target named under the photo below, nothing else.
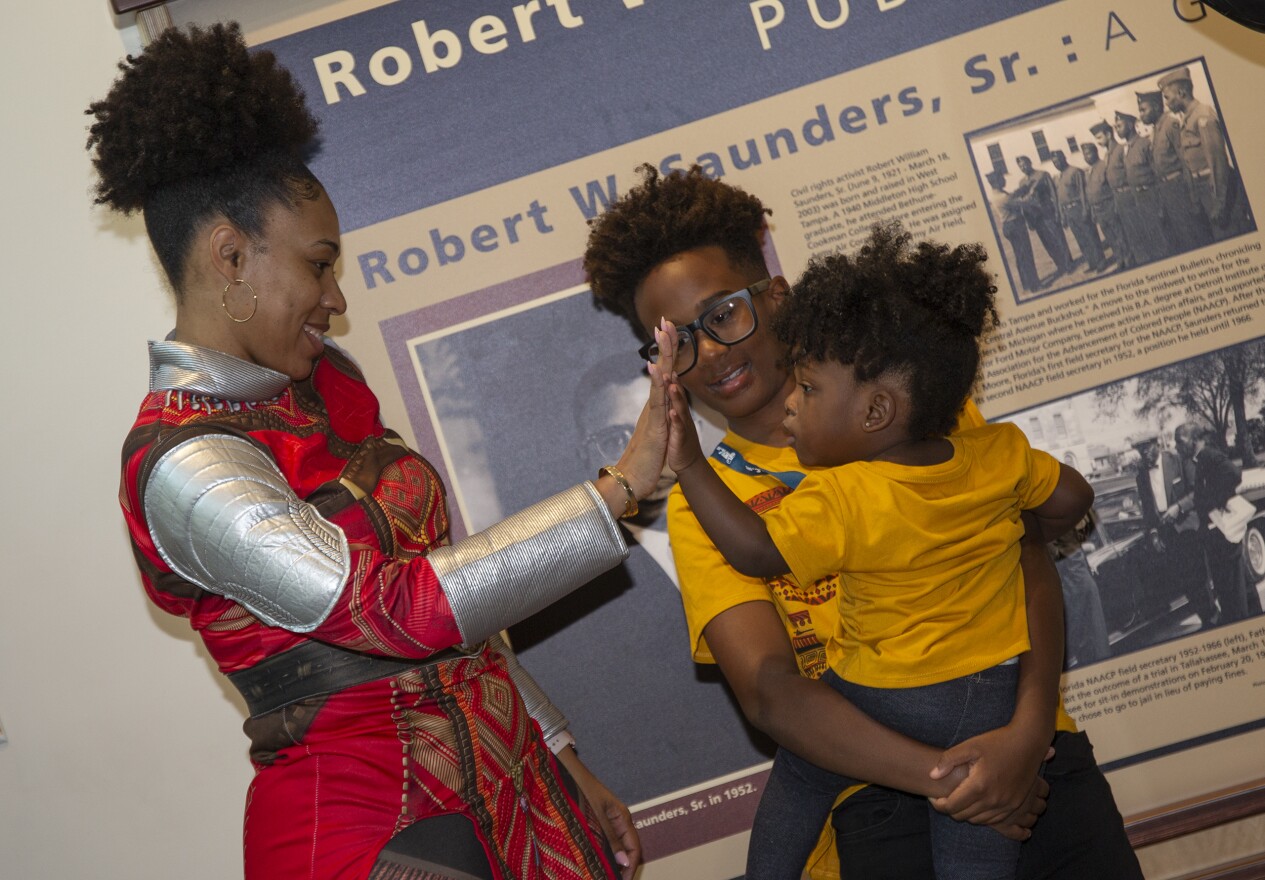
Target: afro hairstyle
(196, 127)
(664, 216)
(916, 311)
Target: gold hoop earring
(254, 301)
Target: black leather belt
(314, 669)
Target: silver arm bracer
(511, 570)
(539, 706)
(223, 517)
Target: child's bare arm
(735, 529)
(1066, 506)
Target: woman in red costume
(392, 730)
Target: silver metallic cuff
(223, 517)
(550, 718)
(527, 561)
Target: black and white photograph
(1111, 181)
(1175, 543)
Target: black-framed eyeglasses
(728, 322)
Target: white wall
(125, 756)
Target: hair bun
(194, 103)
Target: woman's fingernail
(622, 859)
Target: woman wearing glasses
(392, 731)
(727, 318)
(688, 248)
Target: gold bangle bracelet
(630, 497)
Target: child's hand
(684, 449)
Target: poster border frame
(1200, 813)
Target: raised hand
(642, 460)
(684, 449)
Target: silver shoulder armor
(224, 518)
(550, 718)
(509, 571)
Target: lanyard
(732, 458)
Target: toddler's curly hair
(919, 311)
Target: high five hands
(636, 474)
(683, 447)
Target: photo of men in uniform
(1140, 172)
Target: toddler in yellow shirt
(924, 527)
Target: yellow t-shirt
(932, 588)
(710, 586)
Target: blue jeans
(799, 795)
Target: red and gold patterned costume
(338, 775)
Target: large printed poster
(1105, 154)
